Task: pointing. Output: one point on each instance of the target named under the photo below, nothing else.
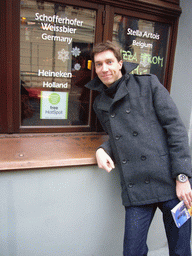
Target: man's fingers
(187, 199)
(111, 163)
(184, 192)
(104, 161)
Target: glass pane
(143, 42)
(55, 45)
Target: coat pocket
(159, 138)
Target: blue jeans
(137, 222)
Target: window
(144, 42)
(55, 46)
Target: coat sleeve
(177, 137)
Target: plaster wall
(70, 211)
(77, 211)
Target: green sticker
(54, 98)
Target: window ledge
(33, 151)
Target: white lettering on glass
(143, 34)
(57, 19)
(49, 73)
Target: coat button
(117, 137)
(135, 133)
(124, 161)
(130, 185)
(128, 110)
(147, 181)
(113, 115)
(143, 158)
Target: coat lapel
(122, 91)
(105, 102)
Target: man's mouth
(106, 76)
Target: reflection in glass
(143, 42)
(55, 45)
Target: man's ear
(120, 64)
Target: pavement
(160, 252)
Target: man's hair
(105, 46)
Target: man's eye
(98, 65)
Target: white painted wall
(69, 212)
(181, 89)
(78, 211)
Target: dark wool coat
(147, 139)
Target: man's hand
(184, 192)
(104, 161)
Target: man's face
(107, 67)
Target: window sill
(33, 151)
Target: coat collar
(96, 83)
(106, 102)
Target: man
(148, 143)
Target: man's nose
(104, 67)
